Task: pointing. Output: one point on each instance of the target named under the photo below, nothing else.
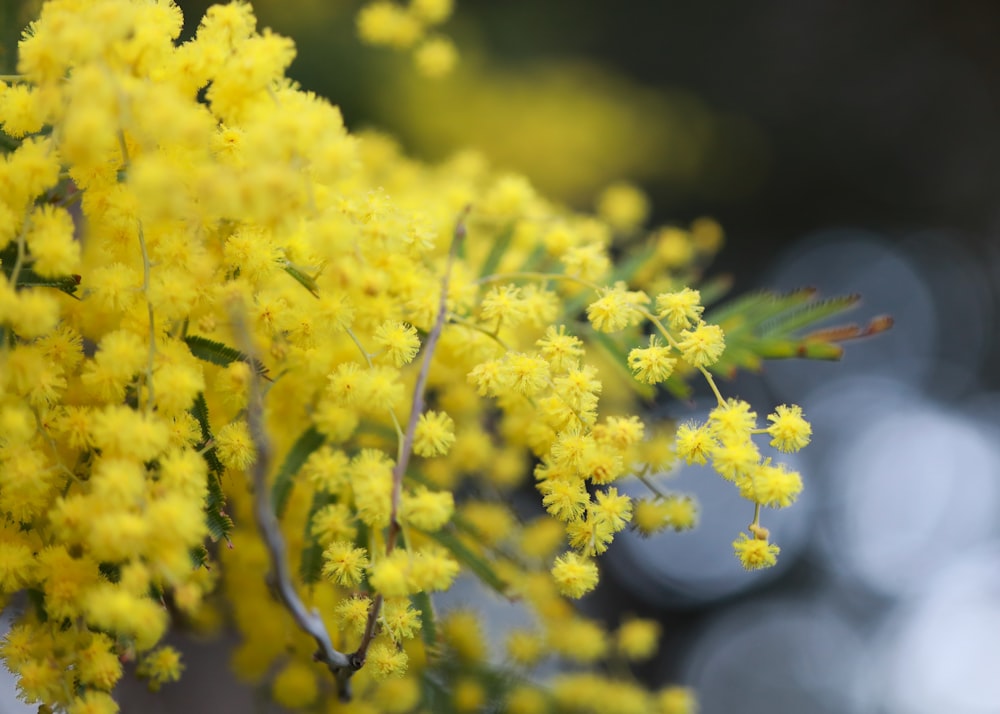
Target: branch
(280, 576)
(406, 449)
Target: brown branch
(406, 450)
(280, 576)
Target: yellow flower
(352, 613)
(574, 575)
(161, 666)
(653, 364)
(52, 243)
(676, 700)
(400, 620)
(638, 638)
(789, 430)
(385, 23)
(695, 443)
(234, 446)
(386, 660)
(436, 57)
(562, 351)
(434, 435)
(702, 346)
(399, 341)
(295, 686)
(754, 553)
(390, 575)
(624, 206)
(681, 308)
(774, 486)
(344, 564)
(525, 373)
(427, 510)
(612, 311)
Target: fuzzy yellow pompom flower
(733, 459)
(674, 511)
(526, 374)
(433, 12)
(436, 57)
(755, 553)
(789, 430)
(234, 446)
(703, 345)
(676, 700)
(613, 310)
(694, 443)
(504, 303)
(434, 435)
(773, 485)
(638, 638)
(681, 308)
(624, 206)
(385, 660)
(295, 686)
(524, 647)
(399, 341)
(562, 351)
(352, 614)
(565, 499)
(400, 620)
(391, 575)
(385, 23)
(161, 666)
(427, 510)
(344, 564)
(92, 703)
(574, 575)
(732, 421)
(653, 364)
(53, 246)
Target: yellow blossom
(789, 430)
(434, 435)
(344, 564)
(754, 553)
(574, 575)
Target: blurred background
(845, 145)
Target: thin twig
(406, 450)
(280, 576)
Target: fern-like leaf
(218, 353)
(308, 442)
(767, 325)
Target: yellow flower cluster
(386, 23)
(179, 225)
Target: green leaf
(477, 564)
(497, 250)
(766, 325)
(220, 525)
(713, 289)
(301, 278)
(199, 556)
(217, 353)
(311, 564)
(199, 410)
(308, 442)
(428, 625)
(37, 599)
(28, 278)
(808, 314)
